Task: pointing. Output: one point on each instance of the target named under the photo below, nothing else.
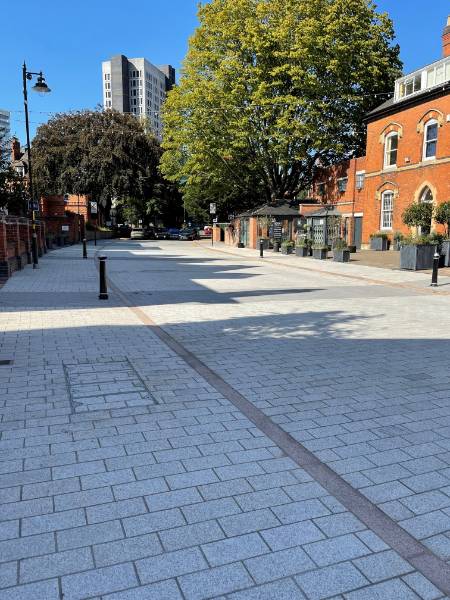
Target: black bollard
(276, 246)
(261, 248)
(103, 289)
(434, 276)
(84, 248)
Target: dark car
(161, 233)
(188, 234)
(173, 233)
(149, 233)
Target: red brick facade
(402, 132)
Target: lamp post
(41, 87)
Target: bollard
(103, 289)
(434, 276)
(261, 248)
(84, 248)
(95, 237)
(276, 246)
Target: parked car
(173, 234)
(137, 233)
(188, 234)
(149, 233)
(123, 231)
(161, 233)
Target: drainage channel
(436, 570)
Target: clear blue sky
(68, 40)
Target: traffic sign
(212, 208)
(94, 208)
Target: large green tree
(271, 88)
(105, 154)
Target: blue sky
(68, 40)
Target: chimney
(446, 39)
(15, 149)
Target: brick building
(407, 156)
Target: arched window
(390, 150)
(430, 136)
(426, 196)
(387, 209)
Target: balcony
(422, 80)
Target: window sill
(389, 169)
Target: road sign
(212, 208)
(94, 208)
(215, 220)
(64, 228)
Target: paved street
(223, 427)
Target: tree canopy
(271, 88)
(104, 154)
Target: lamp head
(40, 86)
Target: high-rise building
(5, 125)
(134, 85)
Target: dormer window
(390, 150)
(430, 140)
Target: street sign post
(212, 211)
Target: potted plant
(287, 247)
(301, 247)
(379, 241)
(442, 216)
(398, 237)
(341, 253)
(320, 251)
(417, 251)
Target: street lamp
(42, 88)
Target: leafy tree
(269, 90)
(13, 193)
(418, 214)
(442, 216)
(105, 154)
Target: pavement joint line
(436, 570)
(331, 273)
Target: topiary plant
(418, 214)
(442, 216)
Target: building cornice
(421, 165)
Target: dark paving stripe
(419, 556)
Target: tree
(442, 216)
(419, 214)
(270, 89)
(13, 193)
(104, 154)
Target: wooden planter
(320, 254)
(379, 243)
(415, 257)
(341, 255)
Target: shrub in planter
(320, 252)
(379, 241)
(301, 248)
(417, 252)
(418, 214)
(287, 247)
(341, 253)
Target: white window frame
(426, 142)
(362, 176)
(387, 150)
(384, 211)
(342, 179)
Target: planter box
(445, 252)
(415, 257)
(379, 243)
(320, 254)
(288, 250)
(265, 243)
(304, 251)
(341, 255)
